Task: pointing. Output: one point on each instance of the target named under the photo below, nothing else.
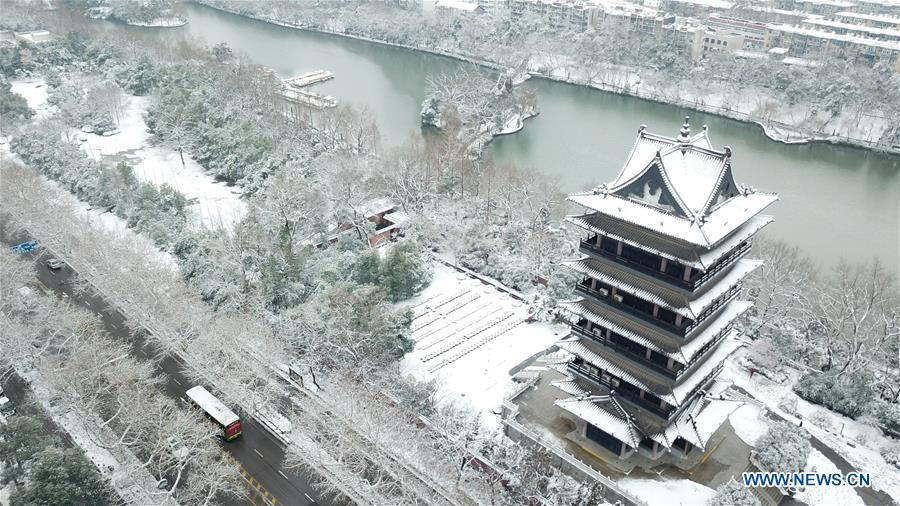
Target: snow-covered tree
(732, 493)
(783, 448)
(63, 477)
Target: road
(870, 496)
(257, 451)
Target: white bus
(224, 417)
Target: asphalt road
(870, 496)
(257, 451)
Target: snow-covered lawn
(668, 492)
(215, 204)
(824, 496)
(35, 93)
(855, 441)
(468, 336)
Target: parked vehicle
(55, 264)
(7, 407)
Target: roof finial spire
(685, 133)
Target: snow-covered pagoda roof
(676, 393)
(679, 187)
(659, 341)
(688, 305)
(602, 411)
(696, 424)
(667, 247)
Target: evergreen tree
(367, 268)
(62, 478)
(20, 439)
(404, 272)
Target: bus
(216, 411)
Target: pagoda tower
(663, 261)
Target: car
(7, 407)
(55, 264)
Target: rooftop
(881, 18)
(457, 5)
(821, 34)
(879, 32)
(716, 4)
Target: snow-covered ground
(5, 491)
(749, 423)
(855, 441)
(468, 336)
(825, 496)
(35, 93)
(668, 492)
(216, 204)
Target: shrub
(783, 448)
(849, 395)
(891, 453)
(888, 415)
(732, 493)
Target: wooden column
(655, 311)
(663, 264)
(687, 273)
(619, 248)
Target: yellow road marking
(705, 457)
(601, 459)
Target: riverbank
(627, 82)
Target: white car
(55, 264)
(7, 407)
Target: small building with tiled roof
(662, 266)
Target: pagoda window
(652, 399)
(667, 316)
(628, 390)
(659, 358)
(610, 247)
(637, 303)
(641, 257)
(675, 269)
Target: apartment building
(807, 42)
(576, 15)
(839, 27)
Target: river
(835, 201)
